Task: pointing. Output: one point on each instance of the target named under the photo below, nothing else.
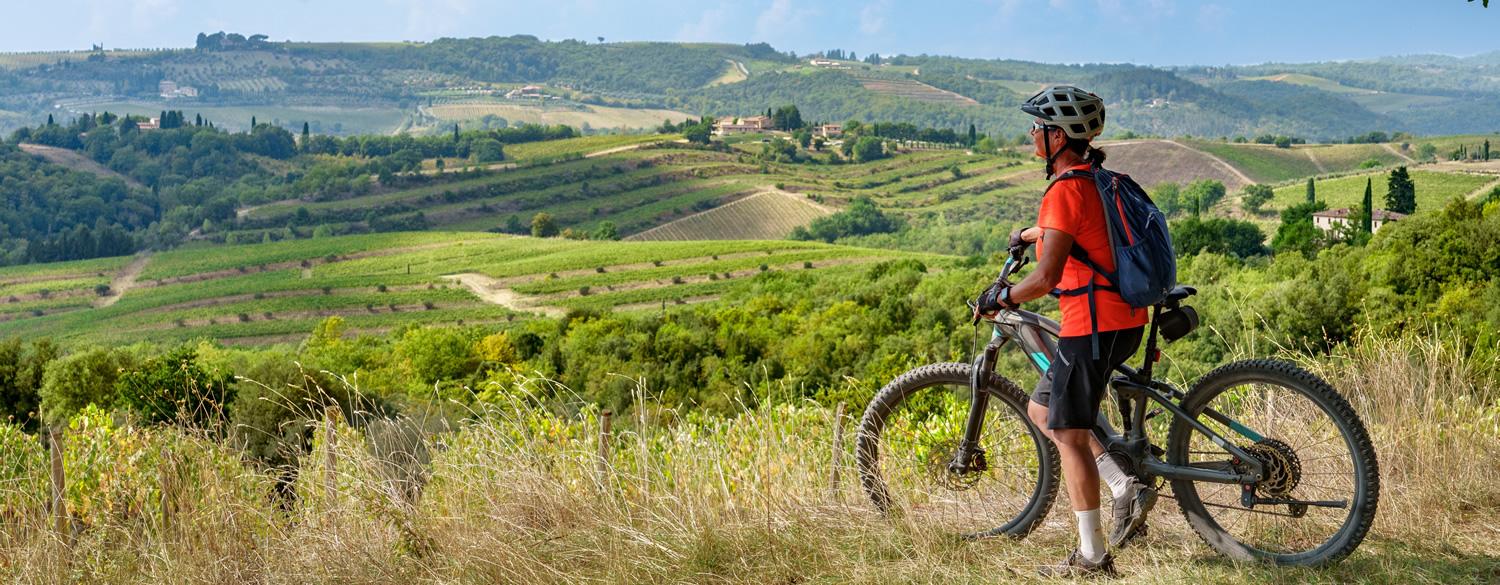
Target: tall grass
(517, 493)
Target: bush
(78, 380)
(174, 388)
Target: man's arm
(1048, 270)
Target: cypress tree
(1368, 212)
(306, 131)
(1402, 196)
(1312, 192)
(973, 135)
(252, 122)
(1486, 149)
(49, 120)
(455, 132)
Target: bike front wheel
(1315, 453)
(910, 434)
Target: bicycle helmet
(1080, 114)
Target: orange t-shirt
(1073, 206)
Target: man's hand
(994, 298)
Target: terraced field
(766, 215)
(914, 90)
(1151, 162)
(576, 115)
(277, 292)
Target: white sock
(1121, 484)
(1090, 535)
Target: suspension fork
(970, 456)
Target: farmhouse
(829, 130)
(742, 125)
(152, 124)
(529, 91)
(169, 90)
(1328, 220)
(827, 64)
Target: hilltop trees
(1217, 235)
(1297, 232)
(862, 217)
(787, 118)
(1401, 195)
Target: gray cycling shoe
(1130, 515)
(1075, 566)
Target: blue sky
(1157, 32)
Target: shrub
(807, 265)
(173, 387)
(244, 317)
(101, 290)
(380, 288)
(764, 268)
(259, 296)
(78, 380)
(429, 305)
(676, 280)
(583, 291)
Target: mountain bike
(1266, 460)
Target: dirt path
(1322, 170)
(492, 291)
(124, 281)
(1220, 161)
(1393, 150)
(1495, 184)
(77, 161)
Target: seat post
(1150, 361)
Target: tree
(543, 226)
(253, 124)
(1426, 151)
(973, 135)
(174, 388)
(513, 225)
(1401, 195)
(455, 132)
(860, 218)
(605, 231)
(1366, 219)
(1312, 191)
(1203, 194)
(1486, 149)
(306, 132)
(80, 379)
(697, 133)
(1218, 235)
(1297, 233)
(868, 148)
(1256, 196)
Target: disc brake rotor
(939, 459)
(1283, 470)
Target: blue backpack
(1145, 266)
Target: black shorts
(1081, 380)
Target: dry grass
(517, 495)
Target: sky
(1151, 32)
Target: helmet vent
(1078, 128)
(1089, 108)
(1061, 97)
(1068, 110)
(1049, 111)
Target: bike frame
(1037, 337)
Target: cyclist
(1066, 402)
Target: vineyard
(762, 216)
(278, 292)
(914, 90)
(1434, 189)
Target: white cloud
(872, 17)
(712, 25)
(433, 18)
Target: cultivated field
(324, 120)
(1151, 162)
(277, 292)
(1434, 189)
(576, 115)
(914, 90)
(765, 215)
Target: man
(1066, 402)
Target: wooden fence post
(59, 500)
(330, 440)
(601, 462)
(837, 459)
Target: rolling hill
(277, 292)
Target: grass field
(576, 115)
(521, 491)
(1434, 189)
(277, 292)
(1380, 102)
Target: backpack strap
(1079, 254)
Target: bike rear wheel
(1314, 449)
(911, 431)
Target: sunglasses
(1035, 126)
